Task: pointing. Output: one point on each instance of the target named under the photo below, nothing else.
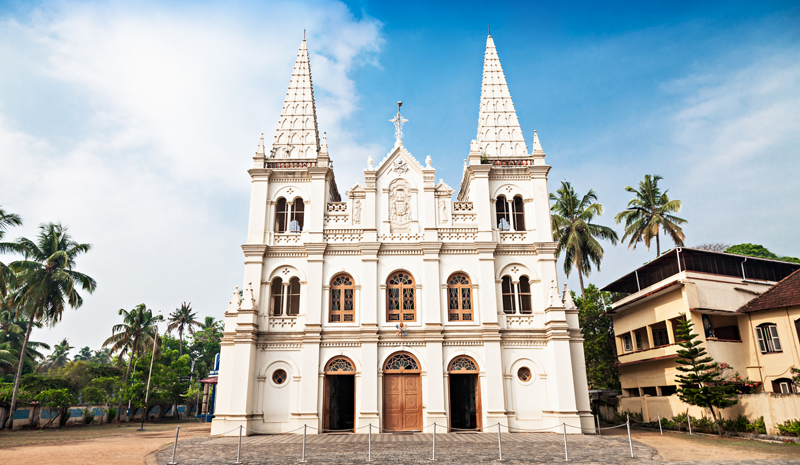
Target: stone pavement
(415, 449)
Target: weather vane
(398, 121)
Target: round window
(524, 374)
(279, 377)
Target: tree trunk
(133, 352)
(658, 246)
(714, 414)
(580, 278)
(180, 338)
(18, 378)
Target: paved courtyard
(413, 449)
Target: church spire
(499, 133)
(297, 135)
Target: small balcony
(644, 355)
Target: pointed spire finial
(260, 150)
(490, 31)
(537, 147)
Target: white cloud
(136, 128)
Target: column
(369, 310)
(259, 191)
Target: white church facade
(400, 306)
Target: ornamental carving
(400, 205)
(400, 166)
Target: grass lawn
(30, 437)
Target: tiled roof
(785, 293)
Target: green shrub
(740, 424)
(88, 416)
(758, 426)
(56, 401)
(790, 428)
(111, 413)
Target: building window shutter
(761, 344)
(776, 343)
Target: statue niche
(400, 205)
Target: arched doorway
(465, 396)
(402, 393)
(339, 408)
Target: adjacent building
(400, 306)
(745, 310)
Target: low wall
(25, 416)
(775, 408)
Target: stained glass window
(342, 299)
(401, 362)
(463, 364)
(459, 298)
(524, 374)
(400, 297)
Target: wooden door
(402, 402)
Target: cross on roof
(398, 121)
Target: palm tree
(208, 323)
(60, 355)
(7, 220)
(134, 336)
(182, 319)
(12, 330)
(46, 284)
(648, 212)
(575, 233)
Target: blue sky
(135, 123)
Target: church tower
(400, 306)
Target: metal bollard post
(499, 444)
(659, 424)
(239, 449)
(175, 446)
(597, 419)
(630, 442)
(369, 444)
(566, 455)
(433, 452)
(689, 421)
(303, 458)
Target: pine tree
(700, 383)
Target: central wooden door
(402, 402)
(402, 394)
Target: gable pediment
(400, 161)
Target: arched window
(298, 213)
(289, 216)
(276, 297)
(519, 213)
(516, 297)
(340, 365)
(342, 299)
(463, 364)
(293, 297)
(768, 340)
(400, 297)
(503, 217)
(509, 300)
(524, 295)
(459, 298)
(280, 215)
(401, 362)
